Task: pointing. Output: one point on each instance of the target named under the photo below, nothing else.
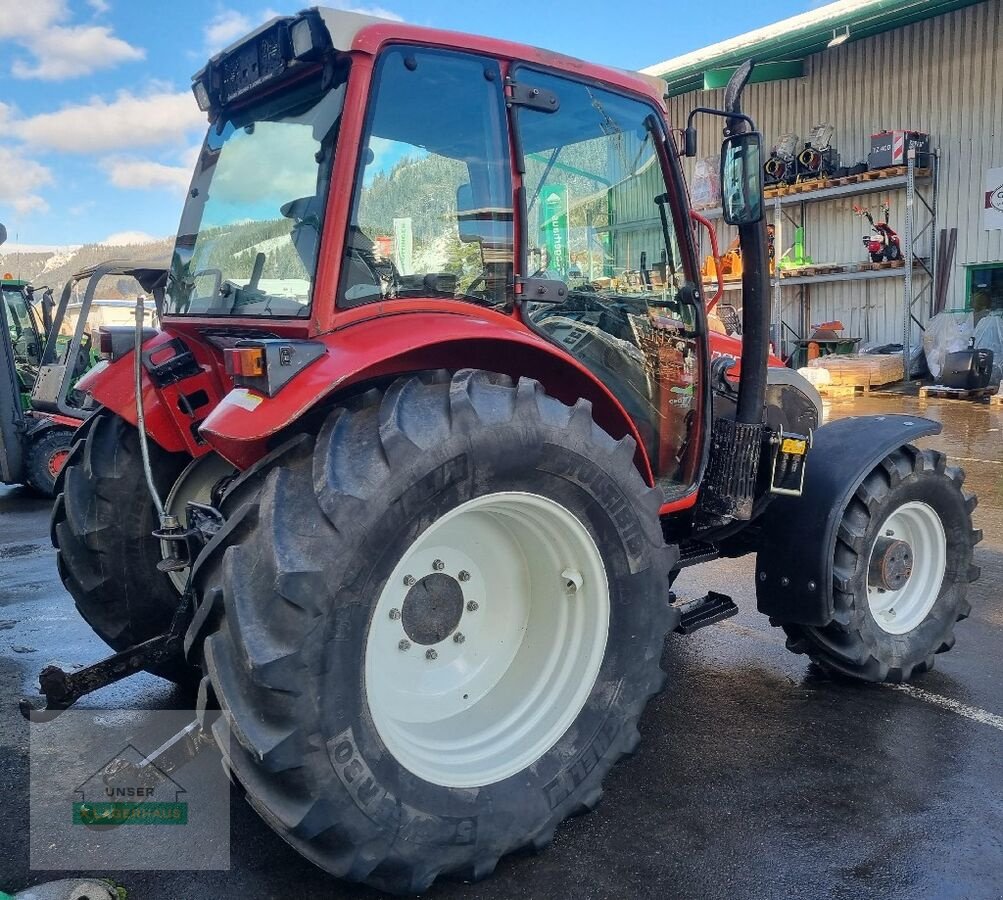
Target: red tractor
(412, 507)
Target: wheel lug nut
(431, 654)
(395, 614)
(409, 580)
(472, 606)
(404, 644)
(438, 565)
(464, 575)
(458, 638)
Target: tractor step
(692, 553)
(704, 611)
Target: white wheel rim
(919, 525)
(194, 484)
(473, 710)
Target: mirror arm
(703, 220)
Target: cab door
(599, 218)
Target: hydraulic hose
(144, 448)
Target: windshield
(25, 336)
(251, 227)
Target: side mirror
(690, 142)
(3, 233)
(742, 178)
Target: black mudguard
(794, 564)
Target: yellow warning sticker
(794, 447)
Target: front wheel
(902, 565)
(47, 453)
(434, 628)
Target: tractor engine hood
(279, 50)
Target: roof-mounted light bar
(271, 52)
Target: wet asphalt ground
(758, 776)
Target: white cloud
(18, 18)
(60, 50)
(63, 53)
(20, 179)
(379, 11)
(229, 25)
(99, 6)
(145, 174)
(224, 28)
(121, 238)
(101, 126)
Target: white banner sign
(993, 208)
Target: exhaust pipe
(754, 242)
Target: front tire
(903, 562)
(376, 740)
(47, 454)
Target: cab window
(598, 219)
(432, 212)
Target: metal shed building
(866, 66)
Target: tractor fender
(798, 534)
(113, 385)
(39, 422)
(387, 345)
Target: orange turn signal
(246, 361)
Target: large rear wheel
(433, 629)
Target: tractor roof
(351, 31)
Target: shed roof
(798, 37)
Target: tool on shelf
(782, 165)
(818, 159)
(883, 242)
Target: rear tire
(47, 454)
(102, 526)
(313, 650)
(891, 635)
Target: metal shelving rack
(918, 256)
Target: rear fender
(384, 346)
(173, 411)
(795, 560)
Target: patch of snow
(268, 245)
(8, 249)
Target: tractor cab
(25, 329)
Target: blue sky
(100, 128)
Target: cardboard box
(890, 148)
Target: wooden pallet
(806, 187)
(863, 373)
(940, 392)
(841, 391)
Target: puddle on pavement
(972, 438)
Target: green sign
(143, 813)
(554, 228)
